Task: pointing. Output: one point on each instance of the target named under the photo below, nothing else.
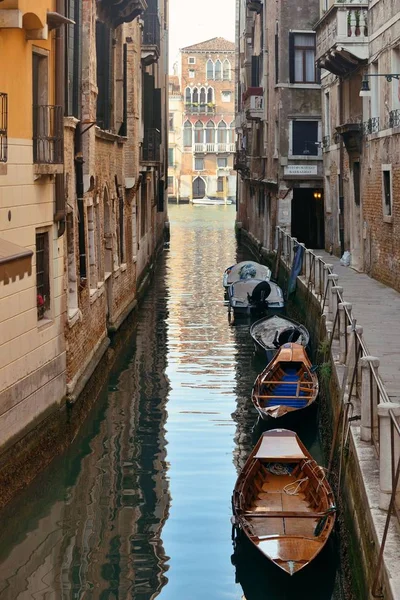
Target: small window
(302, 57)
(42, 274)
(305, 138)
(222, 163)
(199, 164)
(171, 121)
(170, 157)
(170, 184)
(220, 184)
(187, 134)
(387, 190)
(226, 96)
(192, 60)
(191, 73)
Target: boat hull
(269, 333)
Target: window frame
(191, 60)
(387, 214)
(198, 158)
(43, 290)
(304, 156)
(292, 57)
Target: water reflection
(140, 505)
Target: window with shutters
(302, 58)
(255, 71)
(42, 274)
(104, 75)
(73, 57)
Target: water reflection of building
(101, 534)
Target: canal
(139, 506)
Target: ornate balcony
(342, 37)
(116, 12)
(242, 161)
(48, 135)
(200, 109)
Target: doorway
(199, 188)
(308, 217)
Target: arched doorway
(199, 187)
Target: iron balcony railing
(151, 30)
(3, 127)
(151, 145)
(48, 135)
(371, 126)
(200, 109)
(394, 118)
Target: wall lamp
(365, 90)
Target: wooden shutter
(291, 57)
(254, 71)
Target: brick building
(206, 78)
(356, 46)
(279, 156)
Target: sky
(191, 22)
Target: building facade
(83, 175)
(206, 144)
(32, 207)
(278, 122)
(174, 139)
(357, 45)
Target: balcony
(200, 109)
(116, 12)
(254, 106)
(151, 146)
(151, 38)
(342, 37)
(242, 161)
(3, 127)
(48, 137)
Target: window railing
(151, 145)
(394, 118)
(3, 127)
(195, 108)
(151, 30)
(371, 126)
(48, 135)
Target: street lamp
(365, 89)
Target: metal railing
(151, 30)
(48, 135)
(394, 118)
(151, 145)
(3, 127)
(379, 423)
(200, 109)
(371, 126)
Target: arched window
(232, 133)
(222, 133)
(202, 95)
(187, 134)
(195, 96)
(210, 132)
(226, 69)
(210, 69)
(198, 132)
(218, 70)
(188, 95)
(210, 95)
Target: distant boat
(211, 201)
(287, 383)
(283, 502)
(254, 296)
(269, 333)
(247, 269)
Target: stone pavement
(376, 308)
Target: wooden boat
(286, 384)
(283, 502)
(255, 296)
(269, 333)
(247, 269)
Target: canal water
(139, 506)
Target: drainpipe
(80, 200)
(59, 216)
(341, 167)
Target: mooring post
(325, 291)
(366, 362)
(332, 279)
(386, 461)
(344, 308)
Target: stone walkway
(376, 308)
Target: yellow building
(32, 200)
